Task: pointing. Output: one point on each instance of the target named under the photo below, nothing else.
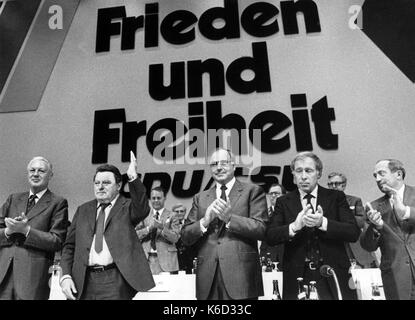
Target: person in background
(158, 235)
(313, 222)
(32, 229)
(338, 181)
(101, 257)
(275, 252)
(186, 254)
(226, 222)
(390, 227)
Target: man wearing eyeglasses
(313, 222)
(226, 222)
(338, 181)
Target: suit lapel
(406, 227)
(295, 203)
(22, 203)
(323, 200)
(235, 193)
(211, 195)
(389, 216)
(91, 213)
(117, 207)
(40, 206)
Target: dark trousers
(218, 290)
(106, 285)
(7, 291)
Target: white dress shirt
(104, 257)
(229, 187)
(407, 208)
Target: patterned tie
(99, 227)
(31, 203)
(154, 233)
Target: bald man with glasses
(225, 223)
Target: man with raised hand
(102, 258)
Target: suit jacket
(31, 257)
(341, 227)
(235, 249)
(120, 237)
(397, 245)
(276, 252)
(363, 257)
(165, 240)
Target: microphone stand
(337, 285)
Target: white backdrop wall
(372, 99)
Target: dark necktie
(99, 227)
(223, 197)
(313, 252)
(154, 233)
(31, 203)
(308, 197)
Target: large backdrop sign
(85, 82)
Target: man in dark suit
(225, 223)
(275, 252)
(185, 254)
(338, 181)
(102, 258)
(390, 227)
(314, 223)
(32, 229)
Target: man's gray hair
(307, 154)
(40, 158)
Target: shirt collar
(313, 193)
(111, 203)
(401, 191)
(229, 185)
(159, 211)
(39, 194)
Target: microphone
(327, 271)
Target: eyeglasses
(180, 211)
(335, 184)
(222, 163)
(274, 194)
